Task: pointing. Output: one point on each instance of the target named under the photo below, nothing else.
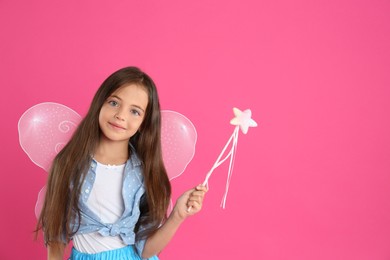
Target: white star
(243, 119)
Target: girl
(108, 190)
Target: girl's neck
(113, 153)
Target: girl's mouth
(116, 126)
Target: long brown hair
(70, 166)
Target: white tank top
(106, 202)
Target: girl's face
(123, 112)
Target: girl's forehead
(130, 87)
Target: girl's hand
(190, 202)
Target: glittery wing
(44, 129)
(178, 140)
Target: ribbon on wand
(242, 120)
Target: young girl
(108, 190)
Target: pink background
(311, 182)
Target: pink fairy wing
(178, 139)
(44, 129)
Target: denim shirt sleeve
(139, 246)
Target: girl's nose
(119, 116)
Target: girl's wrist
(176, 216)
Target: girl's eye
(135, 112)
(113, 103)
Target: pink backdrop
(311, 182)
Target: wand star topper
(243, 121)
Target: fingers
(198, 193)
(195, 198)
(200, 187)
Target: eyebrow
(115, 96)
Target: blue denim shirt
(132, 190)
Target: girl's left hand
(190, 202)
